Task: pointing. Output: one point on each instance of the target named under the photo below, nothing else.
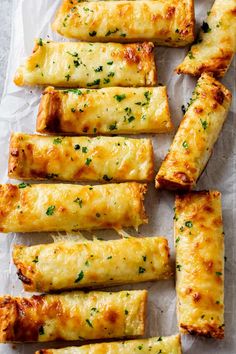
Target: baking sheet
(18, 112)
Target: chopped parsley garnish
(76, 63)
(177, 30)
(111, 32)
(95, 82)
(106, 81)
(88, 161)
(76, 91)
(205, 27)
(140, 347)
(93, 33)
(113, 126)
(159, 339)
(73, 110)
(177, 240)
(144, 258)
(120, 98)
(126, 312)
(57, 141)
(89, 323)
(178, 267)
(75, 54)
(190, 55)
(130, 119)
(77, 147)
(106, 178)
(24, 185)
(183, 109)
(79, 201)
(98, 69)
(204, 124)
(218, 274)
(67, 77)
(189, 224)
(109, 62)
(36, 259)
(111, 74)
(123, 34)
(84, 149)
(141, 270)
(80, 277)
(185, 144)
(50, 210)
(110, 257)
(40, 42)
(41, 330)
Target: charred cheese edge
(165, 22)
(77, 64)
(216, 45)
(72, 316)
(80, 158)
(163, 345)
(66, 207)
(199, 241)
(56, 266)
(196, 136)
(112, 110)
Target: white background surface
(18, 112)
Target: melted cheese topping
(72, 316)
(217, 42)
(66, 207)
(106, 111)
(166, 22)
(163, 345)
(80, 158)
(76, 64)
(199, 241)
(196, 136)
(56, 266)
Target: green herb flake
(88, 161)
(126, 312)
(185, 144)
(75, 91)
(92, 34)
(190, 55)
(177, 240)
(106, 178)
(79, 201)
(106, 81)
(159, 339)
(80, 277)
(218, 274)
(109, 62)
(120, 98)
(73, 110)
(36, 259)
(178, 267)
(113, 126)
(84, 149)
(40, 42)
(141, 270)
(94, 83)
(24, 185)
(130, 119)
(67, 77)
(89, 323)
(204, 124)
(189, 224)
(57, 141)
(111, 32)
(111, 74)
(110, 257)
(98, 69)
(50, 210)
(205, 27)
(140, 347)
(144, 258)
(77, 147)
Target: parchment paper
(18, 113)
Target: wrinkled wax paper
(18, 112)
